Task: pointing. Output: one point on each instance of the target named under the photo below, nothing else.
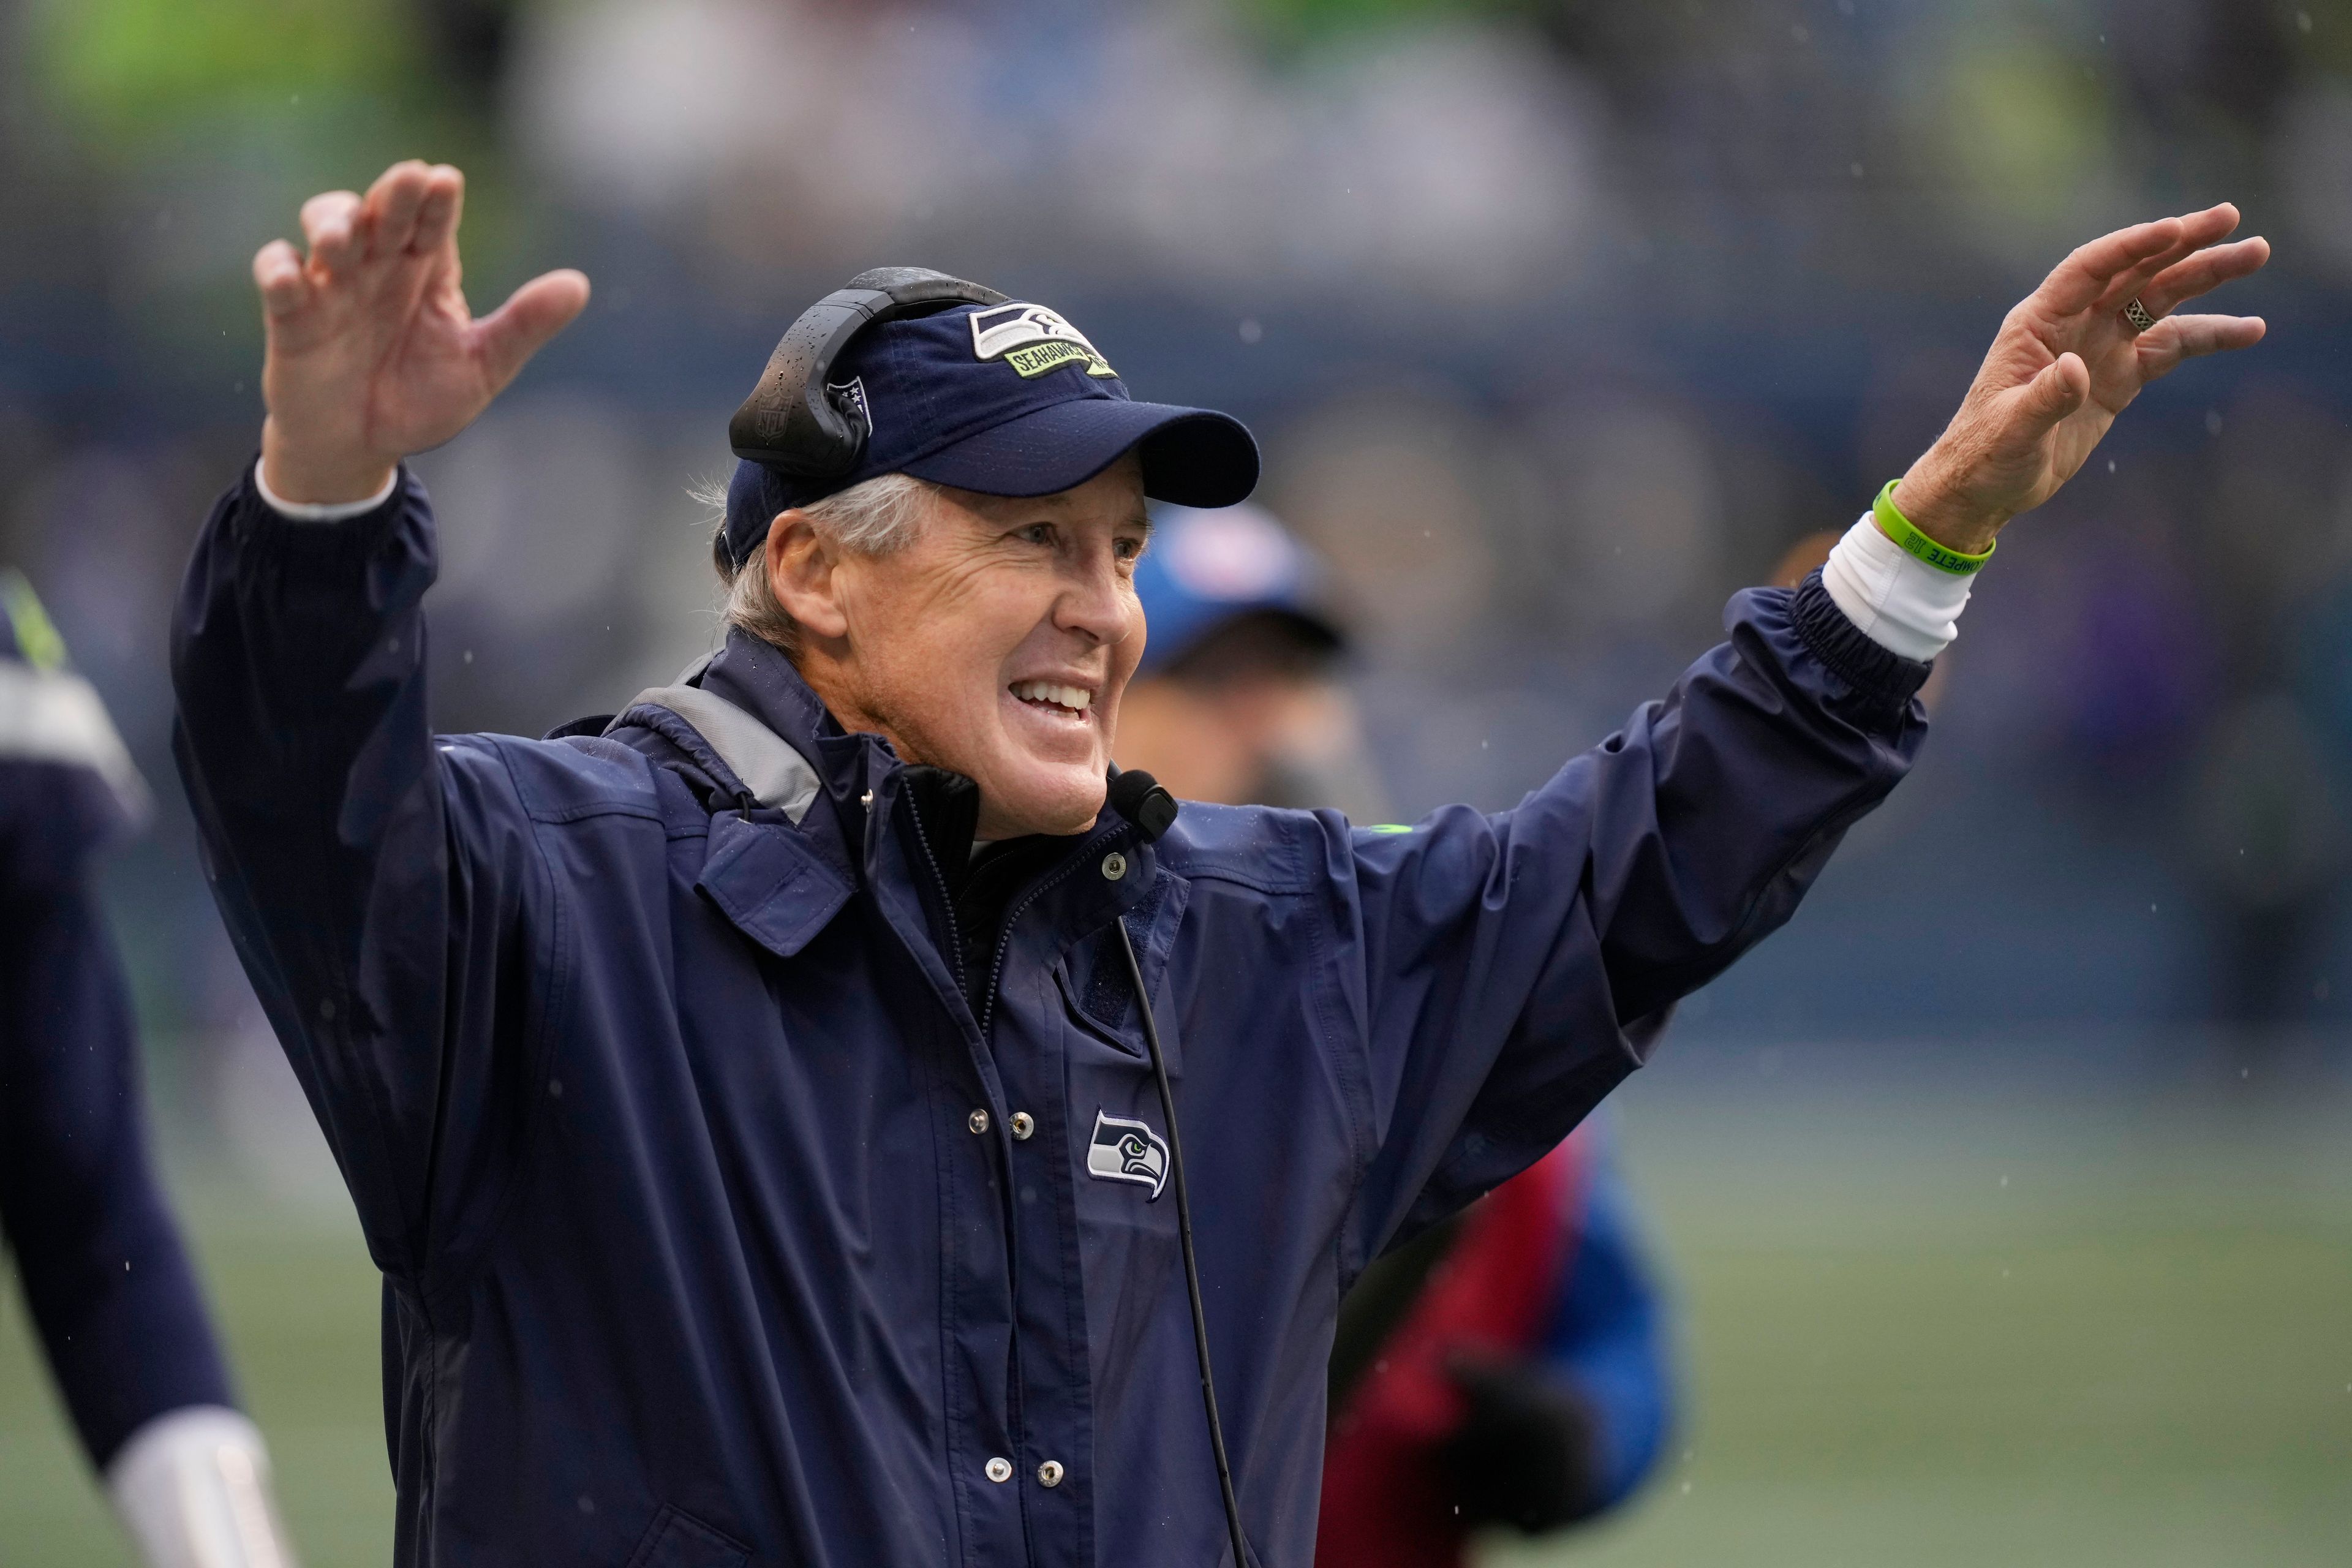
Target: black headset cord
(1138, 798)
(1184, 1241)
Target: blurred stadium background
(2009, 1193)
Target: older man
(747, 1101)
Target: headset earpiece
(789, 421)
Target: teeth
(1074, 697)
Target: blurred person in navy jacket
(1511, 1365)
(752, 1098)
(101, 1265)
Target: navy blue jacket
(664, 1114)
(103, 1272)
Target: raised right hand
(372, 353)
(2066, 362)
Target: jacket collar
(758, 679)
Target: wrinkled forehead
(1112, 498)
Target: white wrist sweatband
(192, 1487)
(1898, 600)
(322, 511)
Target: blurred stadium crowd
(1560, 320)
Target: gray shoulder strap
(766, 763)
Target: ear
(803, 574)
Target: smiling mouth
(1065, 701)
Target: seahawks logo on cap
(1032, 341)
(1125, 1151)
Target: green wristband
(1898, 527)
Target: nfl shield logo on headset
(1125, 1151)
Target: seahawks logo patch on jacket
(1125, 1151)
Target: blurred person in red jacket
(1510, 1367)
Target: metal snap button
(1022, 1124)
(1049, 1474)
(977, 1121)
(1000, 1468)
(1113, 865)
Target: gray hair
(875, 517)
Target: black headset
(792, 422)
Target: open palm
(372, 353)
(2066, 362)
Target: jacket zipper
(1016, 1409)
(1004, 930)
(1016, 1419)
(947, 903)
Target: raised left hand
(2066, 362)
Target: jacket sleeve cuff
(1899, 601)
(323, 511)
(1884, 680)
(331, 545)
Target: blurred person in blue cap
(100, 1262)
(761, 1101)
(1510, 1365)
(1235, 700)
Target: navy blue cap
(1007, 400)
(1206, 568)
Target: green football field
(1926, 1324)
